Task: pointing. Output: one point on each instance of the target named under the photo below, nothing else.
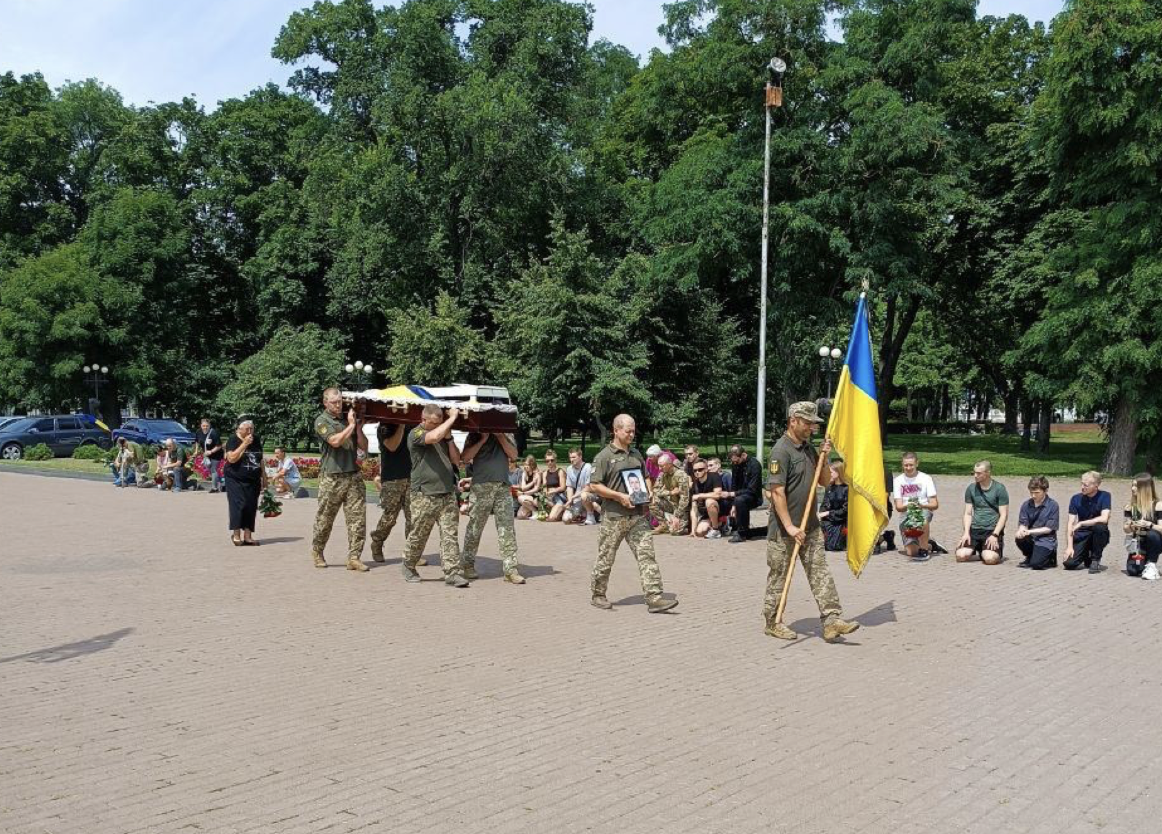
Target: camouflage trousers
(491, 500)
(428, 511)
(814, 560)
(344, 490)
(635, 530)
(393, 497)
(663, 505)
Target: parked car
(62, 433)
(154, 432)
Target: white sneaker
(1150, 572)
(714, 534)
(590, 519)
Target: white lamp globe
(104, 369)
(836, 353)
(367, 368)
(87, 369)
(348, 367)
(823, 351)
(359, 365)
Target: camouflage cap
(805, 411)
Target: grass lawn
(1073, 449)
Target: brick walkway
(155, 679)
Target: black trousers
(1151, 545)
(743, 503)
(1089, 548)
(1039, 556)
(242, 499)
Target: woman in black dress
(245, 475)
(833, 512)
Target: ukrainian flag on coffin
(403, 392)
(854, 429)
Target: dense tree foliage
(473, 190)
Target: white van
(461, 392)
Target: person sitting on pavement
(514, 478)
(555, 487)
(1088, 531)
(706, 500)
(747, 475)
(529, 490)
(653, 470)
(580, 505)
(833, 511)
(1037, 525)
(1144, 524)
(986, 511)
(915, 487)
(671, 499)
(286, 479)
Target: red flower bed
(309, 467)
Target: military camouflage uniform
(792, 466)
(340, 485)
(661, 504)
(618, 523)
(346, 490)
(814, 559)
(495, 500)
(427, 511)
(433, 501)
(637, 533)
(393, 497)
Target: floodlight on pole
(774, 98)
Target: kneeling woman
(245, 475)
(1144, 522)
(833, 512)
(1037, 531)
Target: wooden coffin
(479, 417)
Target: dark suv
(62, 433)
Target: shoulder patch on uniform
(322, 429)
(774, 467)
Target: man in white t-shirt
(914, 486)
(580, 503)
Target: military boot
(320, 562)
(377, 550)
(410, 574)
(514, 577)
(470, 573)
(599, 601)
(835, 628)
(456, 580)
(657, 605)
(355, 564)
(780, 630)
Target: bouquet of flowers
(269, 506)
(914, 520)
(542, 506)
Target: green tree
(1101, 128)
(436, 347)
(280, 386)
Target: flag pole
(806, 516)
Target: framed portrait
(634, 482)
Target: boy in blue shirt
(1089, 519)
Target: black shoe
(736, 539)
(936, 548)
(1074, 564)
(1095, 567)
(889, 540)
(1024, 564)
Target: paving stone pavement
(153, 678)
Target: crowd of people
(633, 497)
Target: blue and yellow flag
(854, 429)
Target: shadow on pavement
(67, 651)
(279, 539)
(491, 569)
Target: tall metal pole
(774, 98)
(761, 420)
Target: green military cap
(805, 411)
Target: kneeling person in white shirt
(914, 486)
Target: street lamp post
(360, 373)
(828, 357)
(774, 98)
(100, 377)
